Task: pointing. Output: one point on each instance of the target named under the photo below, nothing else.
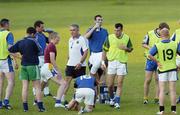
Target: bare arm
(154, 59)
(103, 56)
(125, 48)
(83, 58)
(88, 34)
(53, 61)
(146, 46)
(103, 65)
(14, 56)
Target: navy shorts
(151, 65)
(70, 71)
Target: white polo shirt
(77, 46)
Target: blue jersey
(97, 39)
(85, 81)
(28, 49)
(42, 39)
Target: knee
(11, 82)
(119, 85)
(147, 81)
(95, 67)
(25, 88)
(68, 80)
(64, 83)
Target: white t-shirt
(77, 46)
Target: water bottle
(98, 28)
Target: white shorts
(95, 59)
(168, 76)
(178, 61)
(41, 61)
(116, 67)
(85, 94)
(6, 65)
(47, 72)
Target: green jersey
(112, 44)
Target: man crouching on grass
(85, 90)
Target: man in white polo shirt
(78, 50)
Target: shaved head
(164, 33)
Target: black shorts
(70, 71)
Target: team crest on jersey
(77, 42)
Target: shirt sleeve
(84, 44)
(173, 37)
(14, 48)
(52, 48)
(88, 30)
(10, 39)
(129, 45)
(47, 40)
(107, 33)
(75, 83)
(40, 49)
(178, 49)
(106, 45)
(146, 40)
(153, 51)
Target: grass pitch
(138, 17)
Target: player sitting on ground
(85, 86)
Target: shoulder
(19, 42)
(70, 39)
(37, 34)
(177, 30)
(82, 38)
(104, 29)
(10, 33)
(52, 46)
(151, 31)
(111, 36)
(125, 35)
(5, 31)
(78, 78)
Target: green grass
(138, 17)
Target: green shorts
(30, 73)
